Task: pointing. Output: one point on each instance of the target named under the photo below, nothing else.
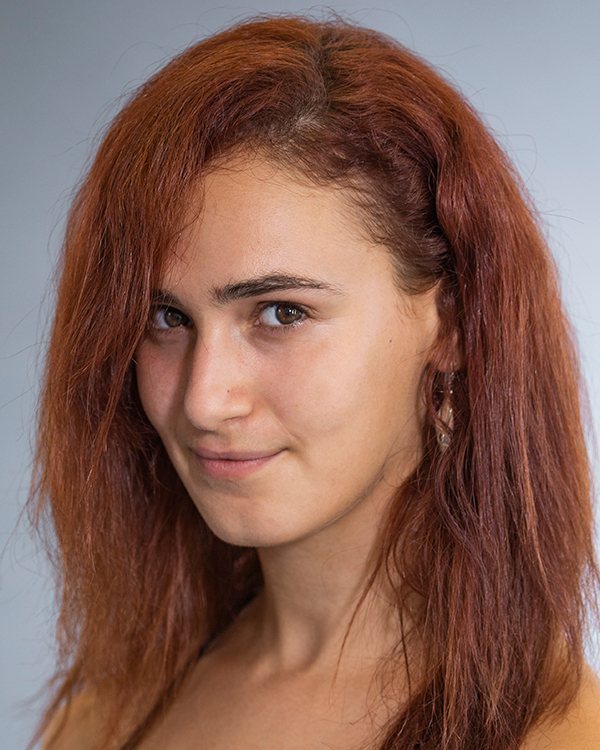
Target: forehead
(252, 218)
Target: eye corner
(272, 315)
(165, 317)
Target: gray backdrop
(531, 66)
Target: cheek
(160, 385)
(352, 414)
(335, 388)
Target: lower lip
(221, 468)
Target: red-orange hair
(493, 535)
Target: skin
(334, 399)
(331, 403)
(231, 377)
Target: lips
(233, 464)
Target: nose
(218, 385)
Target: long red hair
(494, 535)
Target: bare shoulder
(72, 724)
(78, 725)
(579, 729)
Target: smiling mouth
(233, 465)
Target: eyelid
(163, 307)
(306, 314)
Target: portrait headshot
(300, 352)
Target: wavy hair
(493, 535)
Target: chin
(251, 529)
(251, 536)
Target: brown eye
(281, 314)
(287, 314)
(170, 317)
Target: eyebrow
(253, 288)
(162, 297)
(270, 283)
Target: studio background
(532, 67)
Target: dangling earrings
(446, 416)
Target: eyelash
(282, 328)
(186, 322)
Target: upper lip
(234, 455)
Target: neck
(308, 608)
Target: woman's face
(283, 366)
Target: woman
(310, 437)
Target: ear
(448, 350)
(435, 307)
(450, 353)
